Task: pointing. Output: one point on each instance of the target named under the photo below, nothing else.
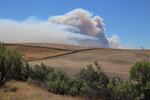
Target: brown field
(37, 52)
(15, 90)
(56, 46)
(72, 58)
(116, 62)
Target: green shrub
(74, 86)
(119, 89)
(94, 81)
(26, 71)
(11, 65)
(31, 81)
(140, 73)
(20, 68)
(58, 82)
(40, 72)
(5, 63)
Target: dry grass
(24, 91)
(114, 61)
(53, 45)
(34, 53)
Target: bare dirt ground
(72, 58)
(25, 91)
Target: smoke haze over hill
(77, 27)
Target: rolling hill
(72, 58)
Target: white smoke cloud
(77, 27)
(81, 20)
(114, 41)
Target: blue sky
(130, 19)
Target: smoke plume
(77, 27)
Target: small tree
(140, 73)
(11, 65)
(94, 81)
(119, 89)
(5, 63)
(58, 82)
(40, 72)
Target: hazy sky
(129, 19)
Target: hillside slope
(114, 61)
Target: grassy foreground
(18, 90)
